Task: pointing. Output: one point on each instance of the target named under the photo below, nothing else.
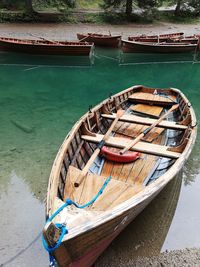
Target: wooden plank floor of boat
(127, 178)
(131, 175)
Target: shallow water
(40, 99)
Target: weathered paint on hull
(47, 50)
(133, 47)
(90, 257)
(102, 236)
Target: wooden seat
(144, 147)
(153, 111)
(146, 121)
(150, 98)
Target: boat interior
(159, 149)
(43, 41)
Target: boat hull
(139, 47)
(109, 41)
(90, 245)
(47, 49)
(87, 239)
(162, 40)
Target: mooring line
(22, 251)
(103, 56)
(158, 62)
(36, 67)
(48, 66)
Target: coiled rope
(62, 227)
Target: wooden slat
(145, 170)
(125, 171)
(137, 168)
(70, 191)
(117, 167)
(132, 133)
(144, 147)
(141, 97)
(91, 187)
(110, 194)
(147, 121)
(147, 109)
(107, 168)
(128, 193)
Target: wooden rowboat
(169, 123)
(100, 39)
(46, 47)
(151, 47)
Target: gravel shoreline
(176, 258)
(65, 31)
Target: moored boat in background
(156, 38)
(49, 47)
(96, 198)
(100, 39)
(154, 47)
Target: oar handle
(42, 38)
(84, 38)
(80, 178)
(86, 168)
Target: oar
(84, 38)
(42, 38)
(119, 114)
(88, 35)
(153, 125)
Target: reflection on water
(39, 105)
(22, 217)
(141, 58)
(147, 233)
(191, 168)
(15, 59)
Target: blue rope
(62, 227)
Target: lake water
(40, 99)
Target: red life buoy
(116, 157)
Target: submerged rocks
(23, 127)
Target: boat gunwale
(52, 43)
(158, 35)
(153, 44)
(140, 197)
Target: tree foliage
(128, 4)
(28, 4)
(186, 7)
(149, 3)
(127, 7)
(191, 6)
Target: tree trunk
(129, 7)
(29, 6)
(178, 8)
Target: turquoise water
(40, 99)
